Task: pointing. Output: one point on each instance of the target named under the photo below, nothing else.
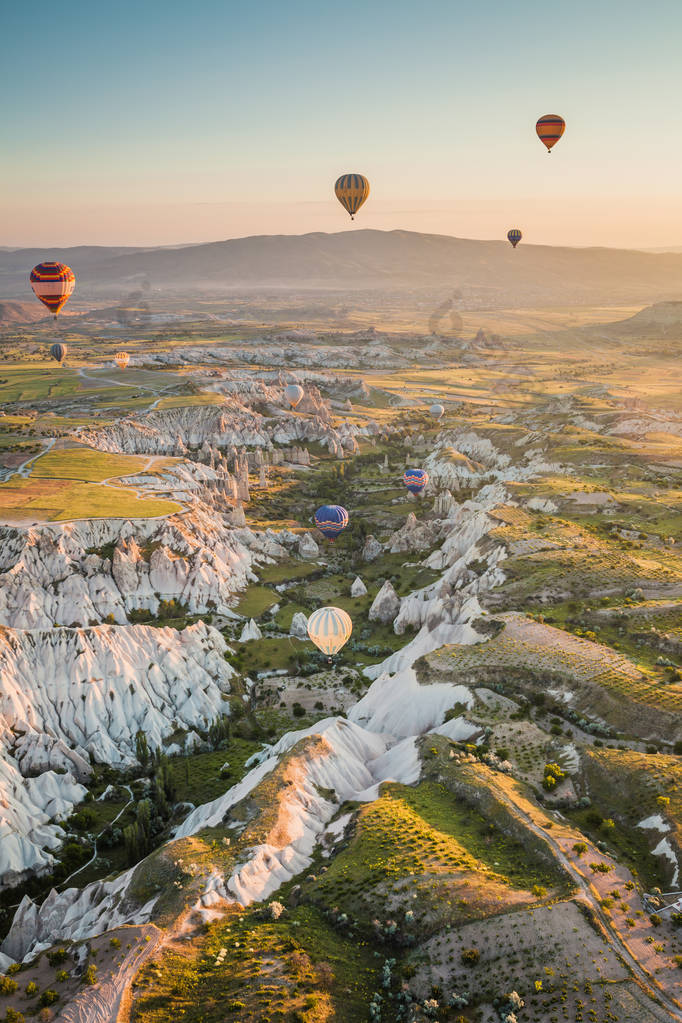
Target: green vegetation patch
(256, 968)
(85, 464)
(62, 500)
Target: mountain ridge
(364, 259)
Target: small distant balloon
(550, 128)
(293, 394)
(437, 411)
(53, 284)
(415, 480)
(58, 352)
(514, 236)
(330, 629)
(121, 359)
(331, 520)
(352, 191)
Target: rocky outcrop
(94, 689)
(250, 631)
(71, 695)
(205, 432)
(87, 572)
(307, 547)
(414, 535)
(385, 605)
(372, 549)
(299, 626)
(358, 588)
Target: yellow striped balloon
(121, 359)
(351, 191)
(330, 628)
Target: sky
(149, 123)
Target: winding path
(109, 825)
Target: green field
(21, 382)
(23, 500)
(85, 464)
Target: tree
(142, 748)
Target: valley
(470, 813)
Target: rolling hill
(387, 261)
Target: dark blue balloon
(415, 480)
(58, 351)
(331, 519)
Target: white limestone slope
(173, 431)
(71, 695)
(28, 808)
(333, 756)
(53, 574)
(95, 688)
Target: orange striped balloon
(53, 283)
(550, 128)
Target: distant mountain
(351, 260)
(14, 313)
(663, 319)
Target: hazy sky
(158, 123)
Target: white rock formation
(95, 688)
(385, 605)
(299, 626)
(52, 574)
(358, 588)
(250, 631)
(414, 535)
(372, 549)
(307, 547)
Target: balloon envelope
(53, 283)
(58, 351)
(121, 359)
(514, 236)
(351, 190)
(437, 411)
(415, 480)
(550, 128)
(331, 519)
(330, 629)
(293, 394)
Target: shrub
(61, 976)
(49, 997)
(470, 956)
(31, 989)
(14, 1016)
(57, 956)
(89, 974)
(7, 985)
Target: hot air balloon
(293, 394)
(331, 519)
(514, 236)
(415, 480)
(53, 283)
(330, 629)
(58, 351)
(437, 411)
(121, 359)
(351, 191)
(550, 128)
